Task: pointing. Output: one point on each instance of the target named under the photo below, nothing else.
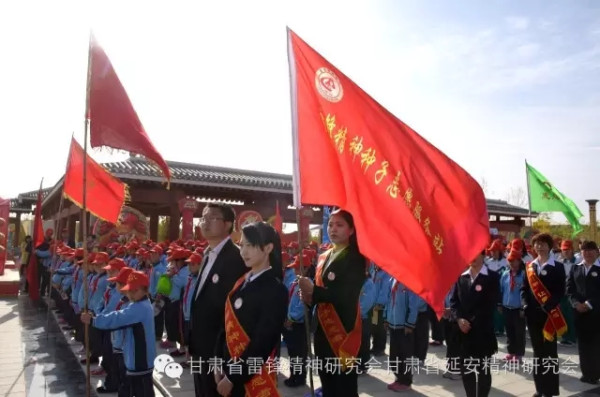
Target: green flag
(544, 197)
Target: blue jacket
(178, 282)
(511, 299)
(422, 305)
(139, 343)
(133, 263)
(100, 282)
(77, 287)
(81, 295)
(67, 280)
(288, 278)
(367, 298)
(117, 335)
(190, 286)
(45, 256)
(157, 270)
(114, 297)
(402, 307)
(60, 272)
(295, 305)
(383, 283)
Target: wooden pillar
(174, 220)
(154, 226)
(17, 230)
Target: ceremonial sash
(555, 323)
(263, 383)
(344, 345)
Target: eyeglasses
(208, 219)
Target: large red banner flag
(113, 120)
(418, 214)
(105, 194)
(33, 278)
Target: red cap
(141, 251)
(122, 276)
(296, 263)
(517, 244)
(566, 245)
(178, 254)
(49, 232)
(514, 255)
(115, 264)
(285, 257)
(78, 253)
(309, 252)
(157, 249)
(195, 258)
(136, 280)
(101, 257)
(293, 245)
(496, 246)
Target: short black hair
(543, 238)
(589, 245)
(260, 234)
(227, 212)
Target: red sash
(555, 323)
(344, 345)
(263, 383)
(106, 296)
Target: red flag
(33, 278)
(418, 214)
(105, 194)
(278, 223)
(113, 120)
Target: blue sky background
(490, 83)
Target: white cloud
(517, 23)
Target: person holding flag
(341, 272)
(542, 291)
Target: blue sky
(490, 83)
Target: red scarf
(512, 280)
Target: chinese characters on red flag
(113, 120)
(418, 214)
(105, 194)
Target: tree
(163, 228)
(542, 223)
(517, 196)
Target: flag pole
(296, 190)
(528, 195)
(84, 220)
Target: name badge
(478, 288)
(544, 272)
(215, 278)
(238, 303)
(594, 274)
(331, 276)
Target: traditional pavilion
(247, 190)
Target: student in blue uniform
(137, 320)
(158, 269)
(178, 273)
(511, 282)
(194, 262)
(402, 310)
(383, 283)
(117, 336)
(367, 298)
(96, 304)
(294, 334)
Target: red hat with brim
(296, 263)
(101, 257)
(122, 277)
(566, 245)
(195, 258)
(115, 264)
(135, 281)
(514, 255)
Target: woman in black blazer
(339, 279)
(255, 310)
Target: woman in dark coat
(339, 279)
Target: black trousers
(437, 328)
(588, 345)
(402, 348)
(159, 324)
(172, 321)
(451, 331)
(95, 342)
(204, 382)
(378, 331)
(339, 384)
(123, 389)
(476, 376)
(364, 353)
(139, 385)
(44, 278)
(295, 340)
(545, 354)
(422, 336)
(23, 277)
(515, 331)
(111, 381)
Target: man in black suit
(551, 276)
(221, 267)
(583, 290)
(473, 304)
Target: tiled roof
(32, 195)
(25, 201)
(16, 207)
(501, 207)
(201, 175)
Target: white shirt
(586, 268)
(251, 277)
(550, 262)
(483, 271)
(496, 265)
(212, 257)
